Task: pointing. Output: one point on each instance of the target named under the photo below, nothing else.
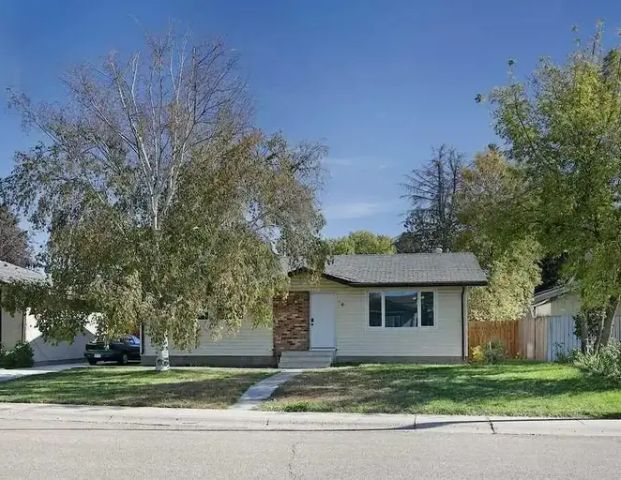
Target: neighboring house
(364, 308)
(559, 300)
(21, 326)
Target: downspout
(142, 339)
(463, 324)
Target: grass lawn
(135, 387)
(520, 388)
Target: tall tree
(494, 210)
(361, 241)
(562, 125)
(14, 243)
(161, 202)
(432, 220)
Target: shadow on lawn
(461, 389)
(133, 387)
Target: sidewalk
(7, 374)
(238, 420)
(263, 390)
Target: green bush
(495, 352)
(562, 356)
(605, 363)
(477, 354)
(489, 352)
(20, 356)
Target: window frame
(418, 293)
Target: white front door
(323, 320)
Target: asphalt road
(33, 449)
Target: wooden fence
(539, 338)
(507, 332)
(533, 338)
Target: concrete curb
(231, 420)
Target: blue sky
(379, 82)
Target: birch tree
(14, 242)
(162, 203)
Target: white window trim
(418, 309)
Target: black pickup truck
(122, 350)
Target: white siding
(12, 328)
(50, 352)
(353, 335)
(249, 341)
(355, 338)
(19, 327)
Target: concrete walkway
(263, 390)
(139, 418)
(7, 374)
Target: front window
(399, 309)
(375, 309)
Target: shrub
(490, 352)
(477, 355)
(494, 351)
(605, 363)
(561, 355)
(20, 356)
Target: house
(22, 327)
(364, 308)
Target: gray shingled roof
(550, 294)
(12, 273)
(407, 269)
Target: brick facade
(291, 329)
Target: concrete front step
(308, 354)
(303, 365)
(306, 359)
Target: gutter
(354, 283)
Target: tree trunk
(162, 361)
(584, 333)
(606, 330)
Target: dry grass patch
(517, 388)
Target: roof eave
(352, 283)
(420, 284)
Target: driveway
(7, 374)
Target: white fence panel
(561, 338)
